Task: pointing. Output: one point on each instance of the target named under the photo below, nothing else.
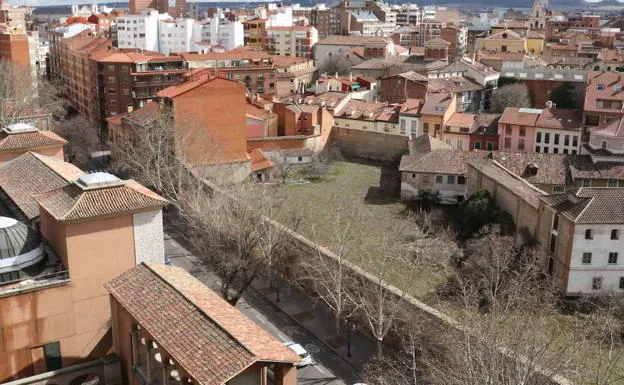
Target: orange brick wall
(211, 122)
(15, 48)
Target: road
(327, 369)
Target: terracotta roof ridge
(164, 280)
(74, 206)
(589, 201)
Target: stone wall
(148, 241)
(369, 145)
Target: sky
(35, 3)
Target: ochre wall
(77, 314)
(56, 152)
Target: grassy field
(350, 195)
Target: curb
(295, 321)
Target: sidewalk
(317, 320)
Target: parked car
(306, 359)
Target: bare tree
(510, 95)
(394, 263)
(331, 278)
(82, 138)
(21, 94)
(232, 238)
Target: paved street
(293, 318)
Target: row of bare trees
(513, 330)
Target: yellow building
(504, 41)
(294, 41)
(535, 43)
(254, 31)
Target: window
(587, 183)
(612, 183)
(439, 179)
(565, 150)
(538, 137)
(437, 128)
(477, 145)
(566, 140)
(615, 234)
(603, 144)
(522, 131)
(588, 234)
(556, 150)
(425, 179)
(413, 175)
(508, 130)
(507, 142)
(575, 141)
(461, 180)
(558, 189)
(537, 149)
(520, 144)
(587, 257)
(600, 87)
(545, 150)
(52, 356)
(450, 179)
(426, 128)
(621, 282)
(613, 258)
(403, 126)
(490, 146)
(547, 138)
(597, 283)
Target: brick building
(407, 85)
(255, 69)
(295, 41)
(604, 100)
(14, 48)
(162, 6)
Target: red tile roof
(74, 203)
(520, 116)
(259, 161)
(560, 118)
(210, 339)
(590, 205)
(31, 140)
(436, 104)
(32, 173)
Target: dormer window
(603, 144)
(600, 87)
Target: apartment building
(369, 116)
(433, 167)
(333, 47)
(516, 129)
(429, 29)
(457, 38)
(366, 23)
(603, 100)
(294, 75)
(253, 68)
(435, 112)
(294, 41)
(461, 128)
(52, 275)
(14, 47)
(583, 233)
(407, 14)
(254, 32)
(140, 30)
(558, 131)
(219, 32)
(409, 118)
(175, 35)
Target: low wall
(369, 145)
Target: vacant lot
(364, 199)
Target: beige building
(433, 167)
(295, 41)
(294, 74)
(369, 116)
(436, 112)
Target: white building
(279, 17)
(175, 35)
(409, 121)
(407, 14)
(140, 30)
(429, 12)
(366, 23)
(586, 239)
(152, 31)
(218, 32)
